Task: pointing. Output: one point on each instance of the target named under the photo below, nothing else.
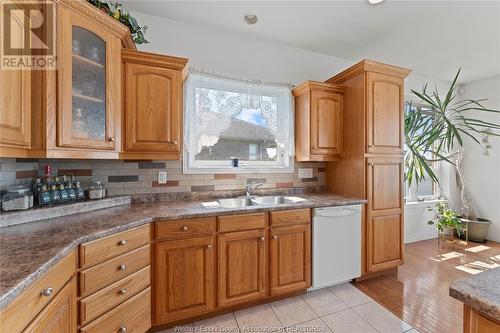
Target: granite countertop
(29, 250)
(481, 292)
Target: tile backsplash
(141, 177)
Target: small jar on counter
(18, 197)
(96, 189)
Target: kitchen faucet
(250, 188)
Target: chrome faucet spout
(250, 188)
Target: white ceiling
(434, 38)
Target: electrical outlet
(305, 173)
(162, 177)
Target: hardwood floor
(418, 292)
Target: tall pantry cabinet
(372, 163)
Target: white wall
(247, 56)
(482, 172)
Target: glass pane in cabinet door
(89, 85)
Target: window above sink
(228, 119)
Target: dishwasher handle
(335, 212)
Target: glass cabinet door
(89, 79)
(88, 85)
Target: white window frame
(437, 167)
(285, 154)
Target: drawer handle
(122, 329)
(184, 228)
(275, 237)
(122, 291)
(111, 139)
(122, 242)
(174, 142)
(209, 246)
(262, 238)
(122, 267)
(46, 292)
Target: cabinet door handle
(122, 267)
(315, 147)
(209, 246)
(184, 228)
(122, 242)
(174, 142)
(371, 146)
(275, 237)
(122, 329)
(262, 238)
(46, 292)
(122, 291)
(111, 139)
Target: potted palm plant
(436, 132)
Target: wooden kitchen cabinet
(89, 82)
(15, 105)
(371, 167)
(385, 236)
(59, 316)
(318, 121)
(476, 322)
(290, 259)
(242, 267)
(153, 105)
(385, 95)
(15, 112)
(185, 278)
(74, 111)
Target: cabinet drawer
(98, 303)
(289, 217)
(99, 276)
(242, 222)
(22, 311)
(133, 315)
(101, 249)
(185, 228)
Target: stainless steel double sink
(257, 200)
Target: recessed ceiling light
(250, 19)
(375, 2)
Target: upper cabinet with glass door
(89, 83)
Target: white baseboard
(493, 237)
(420, 237)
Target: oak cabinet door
(384, 238)
(184, 278)
(326, 123)
(385, 98)
(290, 253)
(242, 267)
(15, 96)
(153, 108)
(89, 84)
(59, 316)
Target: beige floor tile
(347, 321)
(313, 326)
(381, 318)
(294, 310)
(324, 302)
(225, 323)
(350, 295)
(258, 319)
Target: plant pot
(448, 232)
(477, 229)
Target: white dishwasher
(336, 245)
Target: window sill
(239, 170)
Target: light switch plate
(162, 177)
(305, 173)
